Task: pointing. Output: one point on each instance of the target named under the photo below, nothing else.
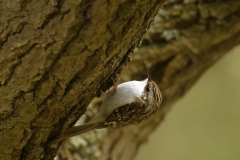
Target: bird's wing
(126, 114)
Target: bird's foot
(113, 89)
(116, 82)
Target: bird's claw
(113, 89)
(115, 84)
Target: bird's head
(151, 93)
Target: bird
(126, 103)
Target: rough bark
(55, 56)
(185, 39)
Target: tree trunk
(184, 40)
(55, 57)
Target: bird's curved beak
(149, 75)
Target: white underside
(126, 93)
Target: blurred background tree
(205, 123)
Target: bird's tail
(74, 131)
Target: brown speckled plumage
(128, 103)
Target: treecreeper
(127, 103)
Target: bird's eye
(147, 89)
